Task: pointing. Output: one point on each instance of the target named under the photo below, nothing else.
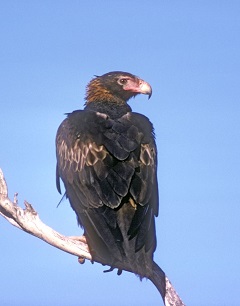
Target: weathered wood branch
(28, 220)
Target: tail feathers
(164, 286)
(158, 278)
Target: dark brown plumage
(107, 160)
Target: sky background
(189, 51)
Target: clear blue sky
(189, 52)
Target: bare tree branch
(28, 220)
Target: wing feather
(104, 162)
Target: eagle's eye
(123, 81)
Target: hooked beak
(138, 86)
(145, 88)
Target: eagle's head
(116, 86)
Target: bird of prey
(107, 160)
